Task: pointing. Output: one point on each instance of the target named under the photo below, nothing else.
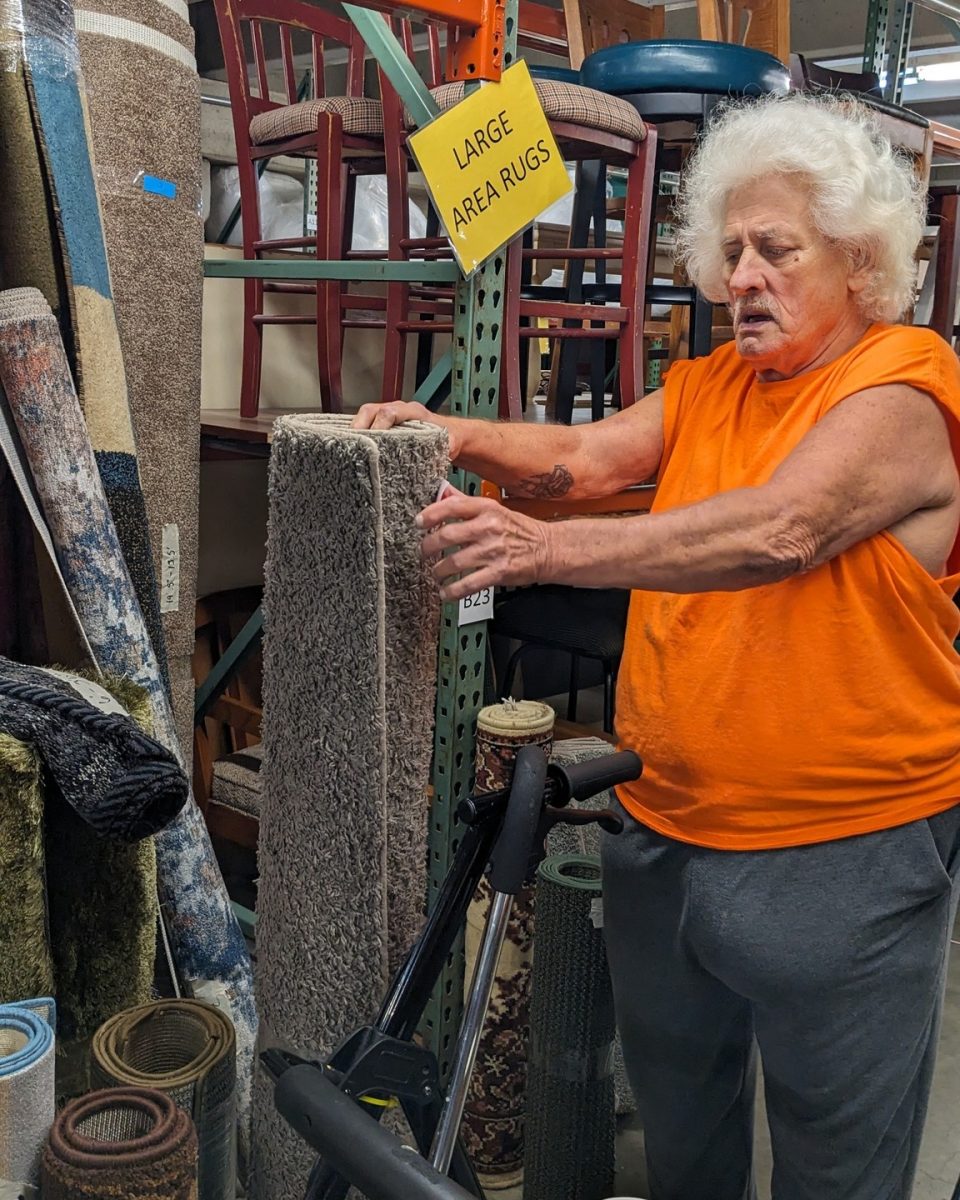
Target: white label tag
(311, 222)
(478, 607)
(596, 912)
(170, 568)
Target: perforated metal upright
(475, 380)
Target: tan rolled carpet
(186, 1049)
(144, 106)
(349, 694)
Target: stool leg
(947, 268)
(638, 232)
(572, 694)
(588, 173)
(609, 695)
(598, 348)
(425, 340)
(512, 663)
(329, 246)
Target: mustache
(751, 307)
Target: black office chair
(582, 622)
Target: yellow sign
(491, 165)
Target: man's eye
(776, 251)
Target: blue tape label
(159, 187)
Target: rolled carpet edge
(131, 1143)
(27, 1089)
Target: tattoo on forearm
(548, 486)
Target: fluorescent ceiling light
(941, 72)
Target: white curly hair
(866, 198)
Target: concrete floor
(939, 1165)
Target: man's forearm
(735, 540)
(539, 461)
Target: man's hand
(398, 412)
(483, 543)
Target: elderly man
(786, 875)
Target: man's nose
(747, 274)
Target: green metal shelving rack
(474, 365)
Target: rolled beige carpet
(146, 141)
(121, 1144)
(186, 1049)
(493, 1120)
(350, 660)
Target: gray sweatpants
(831, 958)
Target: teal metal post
(477, 337)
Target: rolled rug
(349, 685)
(208, 948)
(27, 1091)
(493, 1120)
(187, 1050)
(147, 166)
(571, 1123)
(121, 1144)
(121, 782)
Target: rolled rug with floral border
(493, 1120)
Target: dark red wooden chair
(591, 128)
(344, 133)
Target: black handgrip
(581, 780)
(511, 854)
(356, 1146)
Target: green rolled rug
(571, 1122)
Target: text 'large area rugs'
(208, 948)
(349, 693)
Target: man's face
(793, 296)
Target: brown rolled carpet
(493, 1119)
(124, 1143)
(186, 1049)
(147, 165)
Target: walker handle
(580, 781)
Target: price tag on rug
(491, 165)
(478, 607)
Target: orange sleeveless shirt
(819, 707)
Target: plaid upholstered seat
(571, 103)
(362, 117)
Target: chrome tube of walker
(494, 934)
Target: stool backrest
(759, 24)
(595, 24)
(256, 33)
